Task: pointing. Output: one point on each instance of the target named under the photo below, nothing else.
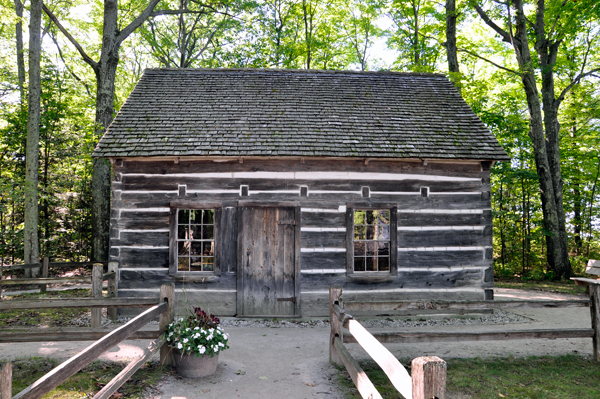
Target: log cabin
(255, 190)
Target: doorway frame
(240, 249)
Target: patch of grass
(43, 317)
(547, 377)
(563, 287)
(87, 382)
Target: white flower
(196, 328)
(202, 349)
(226, 336)
(221, 344)
(211, 330)
(185, 340)
(196, 335)
(187, 329)
(179, 346)
(216, 349)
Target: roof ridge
(298, 71)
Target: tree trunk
(554, 238)
(105, 107)
(20, 54)
(31, 240)
(451, 52)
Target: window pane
(359, 264)
(383, 217)
(196, 216)
(359, 248)
(183, 248)
(196, 248)
(383, 232)
(371, 248)
(183, 264)
(383, 264)
(208, 263)
(359, 217)
(183, 216)
(196, 232)
(196, 264)
(207, 248)
(371, 264)
(370, 232)
(383, 249)
(359, 232)
(208, 232)
(370, 217)
(208, 216)
(183, 232)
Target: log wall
(444, 239)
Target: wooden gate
(269, 261)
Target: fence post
(113, 288)
(6, 381)
(428, 375)
(45, 264)
(167, 293)
(595, 312)
(335, 295)
(96, 292)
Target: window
(194, 243)
(195, 240)
(372, 236)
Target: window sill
(370, 277)
(200, 277)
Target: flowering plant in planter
(197, 335)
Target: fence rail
(163, 309)
(428, 378)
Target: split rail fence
(421, 385)
(96, 279)
(161, 307)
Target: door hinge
(292, 222)
(292, 299)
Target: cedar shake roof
(262, 112)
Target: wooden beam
(585, 281)
(65, 370)
(428, 378)
(335, 297)
(6, 381)
(363, 384)
(595, 313)
(382, 306)
(79, 303)
(113, 285)
(61, 336)
(97, 293)
(51, 264)
(116, 383)
(167, 295)
(388, 362)
(44, 272)
(50, 280)
(417, 337)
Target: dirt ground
(293, 362)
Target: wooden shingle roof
(256, 112)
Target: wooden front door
(268, 278)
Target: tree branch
(462, 50)
(77, 78)
(80, 49)
(505, 36)
(136, 23)
(576, 81)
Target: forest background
(502, 55)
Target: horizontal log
(306, 165)
(62, 336)
(109, 275)
(441, 238)
(445, 219)
(46, 280)
(320, 239)
(51, 264)
(324, 219)
(361, 381)
(148, 238)
(323, 260)
(144, 257)
(382, 306)
(419, 337)
(416, 258)
(59, 374)
(79, 303)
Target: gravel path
(289, 359)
